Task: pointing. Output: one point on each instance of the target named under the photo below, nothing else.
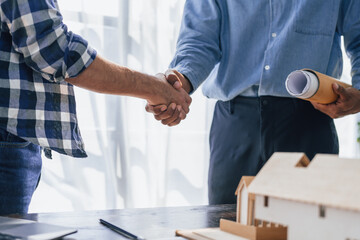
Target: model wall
(304, 220)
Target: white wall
(304, 223)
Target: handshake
(167, 94)
(171, 104)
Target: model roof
(245, 180)
(328, 180)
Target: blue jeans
(20, 168)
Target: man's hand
(178, 80)
(347, 103)
(173, 114)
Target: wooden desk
(152, 223)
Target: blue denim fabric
(20, 168)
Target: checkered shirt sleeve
(40, 36)
(37, 54)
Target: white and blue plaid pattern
(37, 53)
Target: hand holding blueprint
(312, 86)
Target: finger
(164, 115)
(188, 99)
(184, 81)
(320, 106)
(182, 114)
(156, 110)
(185, 105)
(315, 104)
(179, 75)
(168, 113)
(149, 108)
(176, 122)
(329, 109)
(339, 90)
(173, 118)
(173, 79)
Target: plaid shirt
(37, 53)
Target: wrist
(158, 91)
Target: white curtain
(133, 160)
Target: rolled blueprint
(313, 86)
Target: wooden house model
(291, 198)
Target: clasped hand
(347, 103)
(173, 113)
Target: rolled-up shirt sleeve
(198, 47)
(40, 36)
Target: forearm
(103, 76)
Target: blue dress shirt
(250, 47)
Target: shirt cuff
(84, 62)
(77, 57)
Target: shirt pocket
(316, 17)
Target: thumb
(339, 90)
(173, 79)
(156, 110)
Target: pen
(120, 230)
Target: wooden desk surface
(150, 223)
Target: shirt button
(274, 35)
(267, 67)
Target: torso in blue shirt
(248, 43)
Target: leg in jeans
(20, 168)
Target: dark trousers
(246, 131)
